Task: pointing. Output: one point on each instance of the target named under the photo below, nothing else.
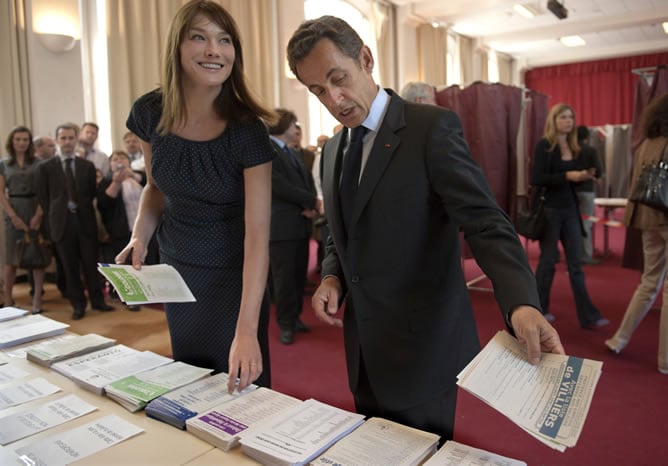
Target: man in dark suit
(293, 204)
(394, 254)
(68, 206)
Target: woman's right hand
(137, 248)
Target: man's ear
(366, 59)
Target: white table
(609, 204)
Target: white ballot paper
(549, 400)
(297, 435)
(159, 283)
(9, 373)
(380, 442)
(10, 312)
(38, 418)
(23, 392)
(457, 454)
(72, 445)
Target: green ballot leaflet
(159, 283)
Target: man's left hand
(533, 331)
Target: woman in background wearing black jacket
(555, 168)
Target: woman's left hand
(245, 362)
(35, 222)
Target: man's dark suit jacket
(408, 310)
(292, 192)
(52, 196)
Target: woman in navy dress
(208, 194)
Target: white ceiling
(609, 27)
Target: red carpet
(625, 425)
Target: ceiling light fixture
(572, 41)
(524, 10)
(665, 27)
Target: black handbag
(651, 187)
(33, 251)
(531, 224)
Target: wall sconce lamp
(57, 43)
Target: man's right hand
(325, 301)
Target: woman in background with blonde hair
(654, 226)
(555, 168)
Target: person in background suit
(654, 226)
(293, 205)
(118, 204)
(586, 191)
(70, 216)
(45, 147)
(419, 92)
(88, 151)
(394, 255)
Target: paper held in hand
(549, 400)
(159, 283)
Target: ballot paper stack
(24, 329)
(93, 371)
(455, 453)
(135, 391)
(223, 425)
(10, 312)
(177, 406)
(550, 400)
(379, 442)
(160, 283)
(50, 352)
(299, 434)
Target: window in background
(492, 67)
(319, 119)
(452, 62)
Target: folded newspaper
(159, 283)
(549, 400)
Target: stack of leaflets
(297, 435)
(9, 313)
(93, 371)
(177, 406)
(550, 400)
(134, 391)
(37, 418)
(49, 352)
(24, 329)
(223, 425)
(455, 453)
(159, 283)
(379, 442)
(72, 445)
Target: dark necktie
(69, 180)
(350, 175)
(293, 159)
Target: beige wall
(56, 82)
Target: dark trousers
(288, 261)
(435, 415)
(564, 225)
(78, 251)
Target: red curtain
(601, 92)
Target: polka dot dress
(202, 231)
